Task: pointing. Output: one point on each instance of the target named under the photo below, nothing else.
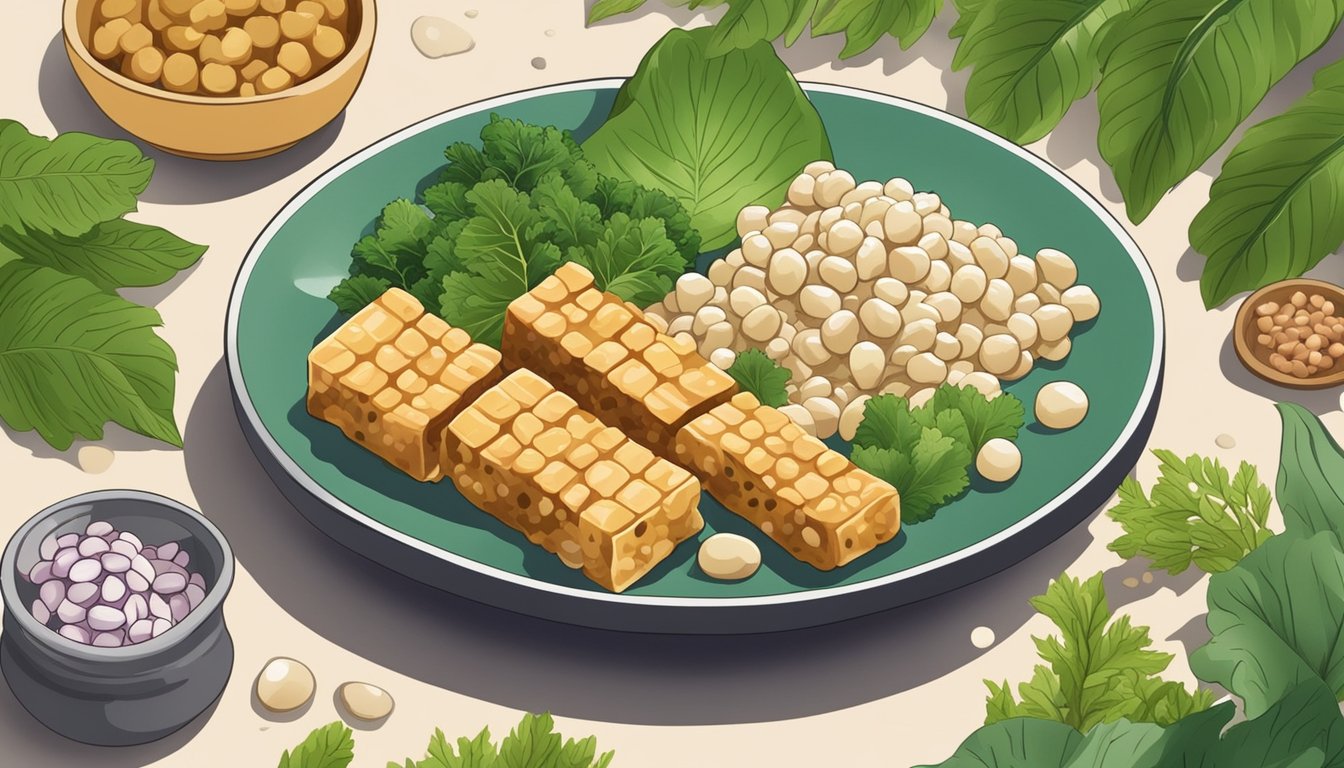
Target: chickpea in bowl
(220, 79)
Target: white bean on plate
(865, 288)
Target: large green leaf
(1032, 59)
(1180, 75)
(69, 184)
(73, 358)
(1303, 729)
(1277, 620)
(1031, 743)
(1311, 475)
(1273, 211)
(716, 133)
(966, 11)
(864, 22)
(747, 22)
(114, 254)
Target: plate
(278, 311)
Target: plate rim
(1141, 417)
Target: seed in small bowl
(92, 586)
(1304, 335)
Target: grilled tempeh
(601, 351)
(392, 377)
(811, 500)
(527, 454)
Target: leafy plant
(926, 452)
(74, 355)
(718, 133)
(532, 744)
(747, 22)
(1276, 621)
(756, 373)
(1302, 729)
(330, 746)
(1262, 222)
(503, 216)
(1197, 515)
(1098, 670)
(1174, 79)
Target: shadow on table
(530, 664)
(177, 180)
(26, 742)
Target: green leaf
(1277, 620)
(717, 133)
(1100, 667)
(967, 11)
(1311, 475)
(503, 255)
(1270, 214)
(864, 22)
(888, 423)
(1180, 75)
(1197, 515)
(73, 358)
(1032, 59)
(479, 752)
(1304, 725)
(933, 472)
(604, 9)
(634, 260)
(357, 292)
(68, 184)
(532, 744)
(747, 22)
(447, 200)
(114, 254)
(986, 419)
(523, 154)
(1017, 743)
(396, 249)
(330, 746)
(756, 373)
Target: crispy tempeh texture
(811, 500)
(527, 454)
(600, 351)
(392, 377)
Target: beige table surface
(892, 690)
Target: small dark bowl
(133, 694)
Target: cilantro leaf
(888, 423)
(756, 373)
(357, 291)
(652, 203)
(1197, 515)
(634, 260)
(535, 744)
(986, 419)
(575, 223)
(522, 154)
(479, 752)
(503, 257)
(395, 250)
(1099, 668)
(330, 746)
(447, 200)
(931, 473)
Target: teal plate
(278, 312)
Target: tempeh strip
(600, 351)
(391, 378)
(811, 500)
(527, 454)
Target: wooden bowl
(1256, 357)
(220, 128)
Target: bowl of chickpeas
(220, 79)
(1291, 333)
